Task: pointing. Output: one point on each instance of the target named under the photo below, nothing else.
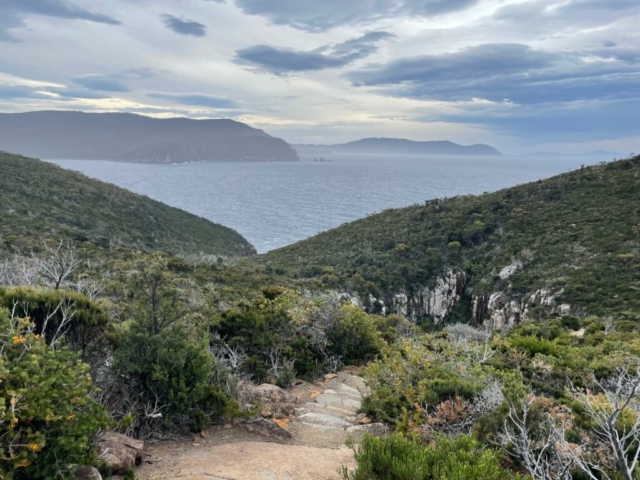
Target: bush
(400, 458)
(286, 376)
(355, 337)
(171, 369)
(47, 419)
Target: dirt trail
(326, 416)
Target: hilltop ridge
(400, 146)
(136, 138)
(39, 200)
(569, 243)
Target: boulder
(119, 451)
(87, 473)
(267, 428)
(274, 401)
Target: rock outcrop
(87, 473)
(435, 302)
(274, 401)
(502, 310)
(119, 452)
(267, 428)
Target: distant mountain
(136, 138)
(604, 154)
(39, 200)
(399, 146)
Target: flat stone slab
(253, 461)
(323, 419)
(329, 399)
(329, 410)
(347, 390)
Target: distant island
(399, 146)
(135, 138)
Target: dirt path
(326, 416)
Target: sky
(520, 75)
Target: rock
(267, 428)
(362, 419)
(323, 419)
(274, 401)
(349, 391)
(509, 270)
(282, 422)
(87, 473)
(228, 426)
(358, 383)
(119, 451)
(438, 301)
(330, 376)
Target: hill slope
(400, 146)
(570, 243)
(135, 138)
(40, 200)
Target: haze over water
(274, 204)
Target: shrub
(355, 337)
(400, 458)
(47, 418)
(286, 376)
(532, 346)
(171, 369)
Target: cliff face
(498, 309)
(135, 138)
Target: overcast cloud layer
(521, 75)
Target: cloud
(115, 82)
(13, 13)
(80, 94)
(103, 83)
(284, 60)
(183, 26)
(513, 72)
(12, 92)
(195, 99)
(318, 16)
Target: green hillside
(39, 200)
(577, 234)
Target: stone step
(323, 419)
(343, 402)
(327, 428)
(328, 409)
(349, 391)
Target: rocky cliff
(498, 309)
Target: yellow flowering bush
(47, 419)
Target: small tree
(536, 439)
(57, 264)
(614, 411)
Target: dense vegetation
(579, 231)
(39, 200)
